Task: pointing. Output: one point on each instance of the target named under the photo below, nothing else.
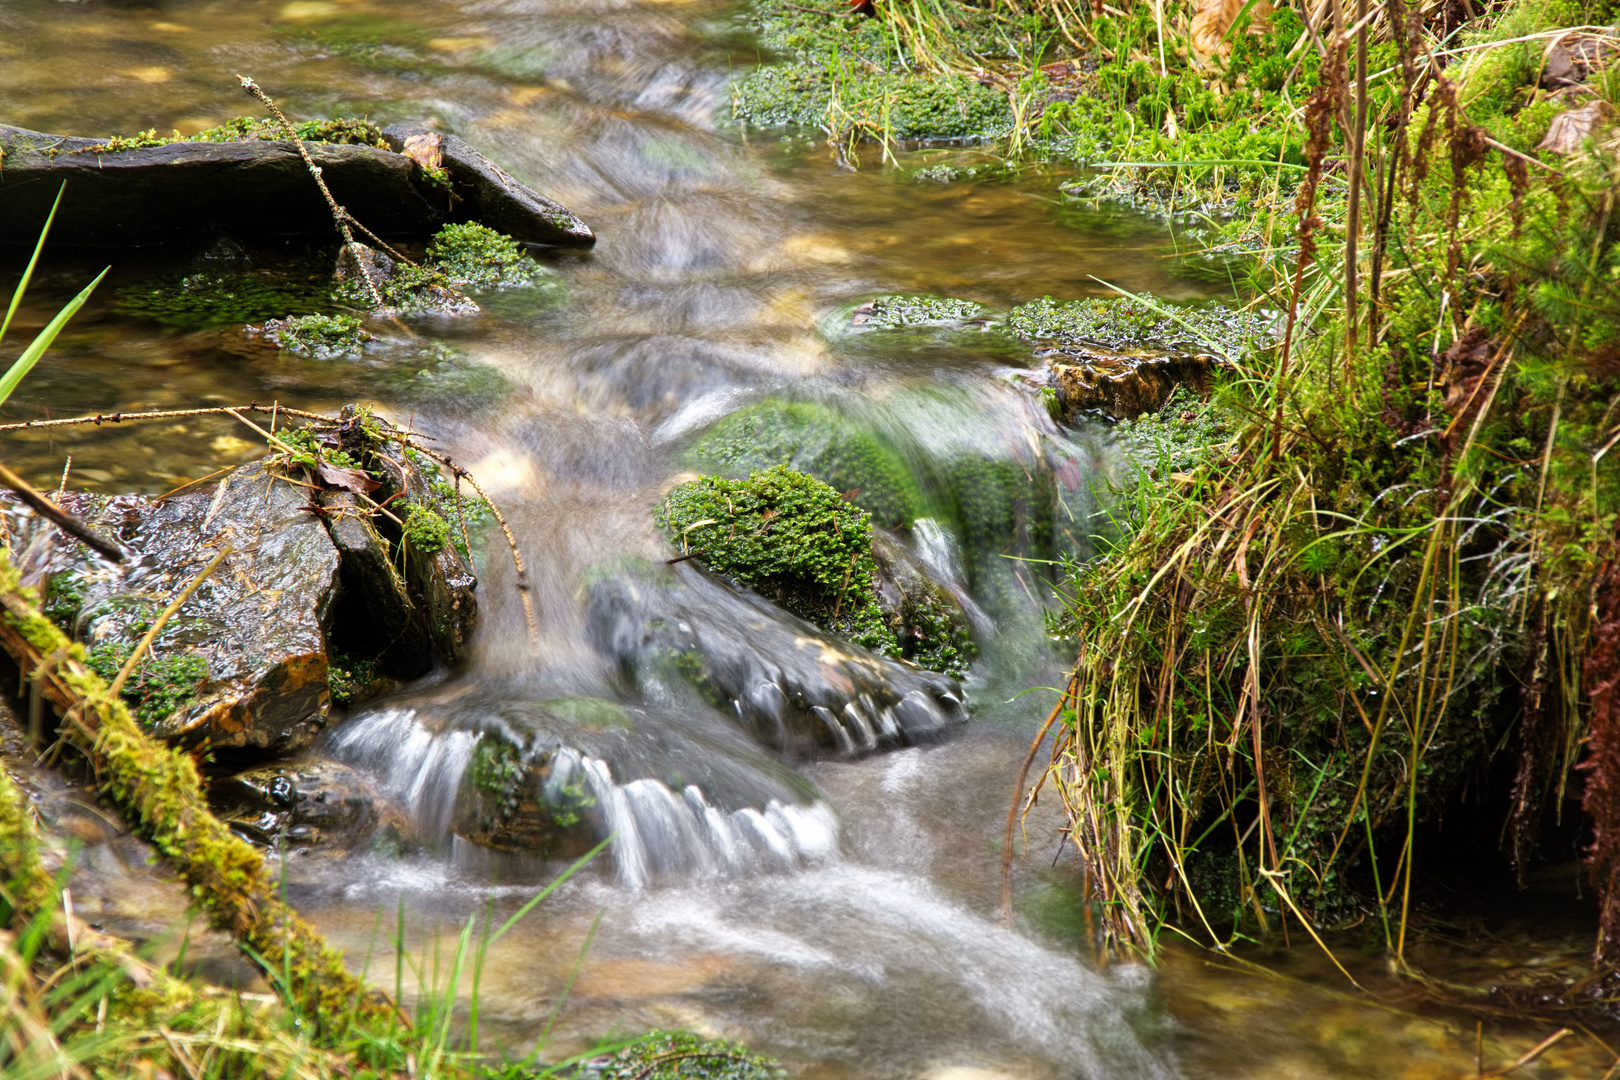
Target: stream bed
(852, 931)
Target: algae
(680, 1055)
(895, 312)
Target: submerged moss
(202, 300)
(790, 537)
(812, 438)
(895, 312)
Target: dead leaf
(355, 480)
(1213, 18)
(425, 150)
(1558, 66)
(1570, 130)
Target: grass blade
(22, 286)
(36, 348)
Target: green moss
(426, 532)
(790, 537)
(353, 680)
(908, 104)
(478, 257)
(680, 1055)
(1178, 436)
(936, 637)
(466, 515)
(344, 131)
(202, 300)
(158, 687)
(593, 714)
(320, 336)
(897, 311)
(812, 438)
(497, 771)
(1127, 324)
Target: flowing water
(835, 909)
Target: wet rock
(185, 191)
(929, 620)
(490, 195)
(792, 686)
(307, 804)
(378, 618)
(1122, 385)
(255, 625)
(246, 667)
(682, 788)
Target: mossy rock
(680, 1055)
(812, 438)
(789, 537)
(901, 311)
(324, 337)
(1124, 323)
(928, 622)
(515, 798)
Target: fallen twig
(59, 517)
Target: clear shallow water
(864, 944)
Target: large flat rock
(253, 189)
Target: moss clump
(464, 513)
(679, 1055)
(158, 687)
(345, 131)
(478, 257)
(897, 312)
(935, 636)
(353, 680)
(497, 771)
(811, 438)
(907, 104)
(426, 533)
(1126, 324)
(790, 537)
(203, 300)
(321, 336)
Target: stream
(836, 911)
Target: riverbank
(1376, 605)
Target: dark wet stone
(1121, 385)
(376, 616)
(928, 618)
(256, 622)
(792, 686)
(186, 191)
(305, 803)
(493, 197)
(442, 584)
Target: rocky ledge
(182, 191)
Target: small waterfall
(657, 832)
(419, 769)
